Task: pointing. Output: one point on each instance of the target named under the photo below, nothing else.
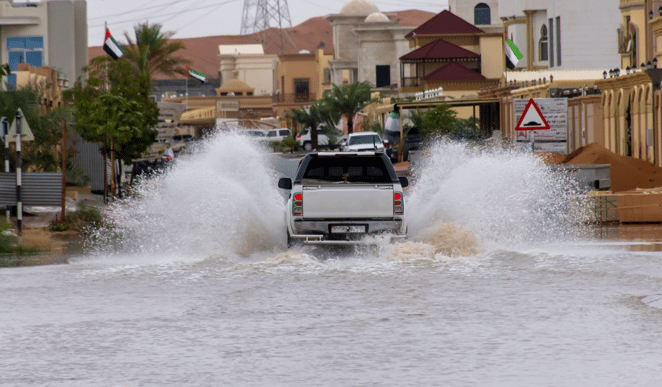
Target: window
(551, 43)
(482, 14)
(543, 53)
(301, 89)
(558, 40)
(28, 50)
(383, 75)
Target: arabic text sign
(555, 111)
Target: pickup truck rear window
(352, 170)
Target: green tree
(46, 126)
(318, 115)
(348, 100)
(117, 79)
(151, 53)
(113, 107)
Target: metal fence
(37, 189)
(89, 159)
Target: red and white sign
(532, 118)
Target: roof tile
(440, 49)
(453, 71)
(445, 22)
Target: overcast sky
(193, 18)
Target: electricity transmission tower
(261, 15)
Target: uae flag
(199, 76)
(512, 53)
(111, 47)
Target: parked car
(304, 139)
(178, 142)
(363, 141)
(278, 134)
(392, 138)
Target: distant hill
(308, 35)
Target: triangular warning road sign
(26, 133)
(532, 119)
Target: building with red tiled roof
(451, 53)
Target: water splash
(222, 198)
(500, 195)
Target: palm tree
(317, 116)
(151, 53)
(349, 100)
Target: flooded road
(195, 287)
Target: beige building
(50, 33)
(481, 13)
(248, 63)
(50, 81)
(300, 79)
(448, 52)
(366, 45)
(636, 35)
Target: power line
(134, 11)
(164, 15)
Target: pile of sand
(626, 173)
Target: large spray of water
(223, 198)
(503, 196)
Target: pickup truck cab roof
(357, 167)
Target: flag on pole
(111, 47)
(199, 76)
(512, 53)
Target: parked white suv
(363, 141)
(277, 134)
(305, 142)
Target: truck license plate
(347, 229)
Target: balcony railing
(293, 97)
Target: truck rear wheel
(308, 146)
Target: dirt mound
(627, 173)
(550, 158)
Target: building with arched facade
(563, 34)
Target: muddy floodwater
(497, 286)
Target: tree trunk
(350, 124)
(112, 168)
(313, 139)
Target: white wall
(588, 30)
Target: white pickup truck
(340, 197)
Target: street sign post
(532, 119)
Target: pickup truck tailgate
(336, 202)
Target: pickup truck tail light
(297, 204)
(398, 207)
